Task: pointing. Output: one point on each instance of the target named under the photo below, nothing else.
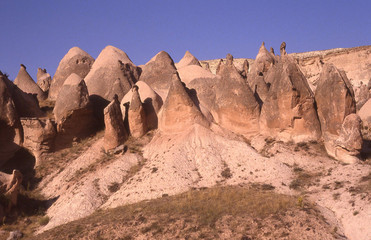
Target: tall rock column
(136, 115)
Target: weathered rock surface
(39, 136)
(9, 187)
(245, 68)
(187, 60)
(27, 84)
(179, 112)
(258, 86)
(283, 49)
(236, 107)
(151, 102)
(73, 112)
(365, 115)
(112, 73)
(192, 72)
(361, 95)
(288, 112)
(136, 115)
(335, 99)
(115, 133)
(10, 128)
(75, 61)
(263, 61)
(158, 72)
(43, 79)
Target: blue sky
(39, 33)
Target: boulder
(75, 61)
(187, 60)
(73, 112)
(115, 133)
(236, 107)
(112, 73)
(158, 72)
(9, 187)
(289, 111)
(335, 99)
(179, 112)
(11, 136)
(27, 84)
(365, 115)
(39, 135)
(136, 115)
(151, 102)
(43, 79)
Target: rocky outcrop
(39, 136)
(361, 95)
(75, 61)
(9, 187)
(289, 112)
(158, 72)
(236, 107)
(115, 133)
(27, 84)
(179, 112)
(43, 79)
(192, 72)
(263, 61)
(10, 128)
(187, 60)
(73, 112)
(136, 115)
(283, 49)
(151, 102)
(365, 115)
(335, 99)
(112, 73)
(245, 68)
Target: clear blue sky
(39, 33)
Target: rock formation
(9, 187)
(236, 107)
(112, 73)
(27, 84)
(151, 102)
(289, 112)
(272, 51)
(10, 127)
(158, 72)
(75, 61)
(43, 79)
(245, 68)
(115, 133)
(365, 115)
(335, 99)
(192, 72)
(179, 112)
(283, 49)
(136, 115)
(361, 95)
(73, 111)
(188, 59)
(263, 61)
(39, 135)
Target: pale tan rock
(137, 116)
(75, 61)
(112, 73)
(151, 102)
(258, 86)
(335, 99)
(187, 60)
(158, 72)
(27, 84)
(179, 112)
(365, 115)
(288, 112)
(39, 136)
(263, 61)
(43, 79)
(73, 112)
(283, 49)
(236, 107)
(115, 133)
(361, 95)
(192, 72)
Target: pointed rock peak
(135, 102)
(73, 79)
(23, 66)
(23, 78)
(76, 51)
(41, 71)
(263, 49)
(162, 57)
(283, 49)
(272, 51)
(188, 59)
(111, 52)
(229, 59)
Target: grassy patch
(302, 179)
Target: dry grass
(302, 179)
(205, 206)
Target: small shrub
(226, 173)
(44, 220)
(114, 187)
